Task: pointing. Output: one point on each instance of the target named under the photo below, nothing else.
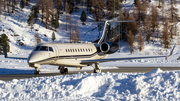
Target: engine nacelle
(109, 47)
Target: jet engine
(109, 47)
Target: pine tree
(53, 37)
(22, 4)
(83, 17)
(4, 41)
(35, 12)
(56, 21)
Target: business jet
(75, 55)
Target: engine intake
(109, 47)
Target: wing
(116, 59)
(119, 59)
(22, 58)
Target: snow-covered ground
(153, 86)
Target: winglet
(172, 50)
(5, 52)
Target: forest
(152, 22)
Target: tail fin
(5, 52)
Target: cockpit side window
(37, 48)
(50, 49)
(43, 48)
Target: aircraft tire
(37, 72)
(97, 71)
(65, 71)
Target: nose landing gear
(37, 71)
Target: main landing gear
(97, 68)
(37, 71)
(63, 70)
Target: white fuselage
(64, 54)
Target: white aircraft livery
(76, 55)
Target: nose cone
(33, 57)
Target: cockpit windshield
(43, 48)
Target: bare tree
(130, 41)
(161, 2)
(147, 28)
(98, 6)
(38, 39)
(155, 21)
(140, 41)
(47, 9)
(67, 13)
(165, 37)
(132, 26)
(173, 11)
(77, 31)
(5, 8)
(0, 8)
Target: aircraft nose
(32, 58)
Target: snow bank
(156, 85)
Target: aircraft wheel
(62, 70)
(97, 70)
(66, 71)
(37, 72)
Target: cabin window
(76, 50)
(37, 48)
(66, 50)
(50, 49)
(43, 48)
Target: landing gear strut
(37, 71)
(63, 70)
(97, 68)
